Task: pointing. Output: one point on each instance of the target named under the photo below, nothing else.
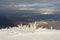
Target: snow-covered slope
(19, 34)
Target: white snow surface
(21, 34)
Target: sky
(30, 4)
(41, 6)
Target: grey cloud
(10, 4)
(25, 1)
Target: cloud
(24, 8)
(25, 1)
(30, 4)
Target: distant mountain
(14, 17)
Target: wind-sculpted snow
(23, 34)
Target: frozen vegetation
(26, 34)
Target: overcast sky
(30, 4)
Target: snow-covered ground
(19, 34)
